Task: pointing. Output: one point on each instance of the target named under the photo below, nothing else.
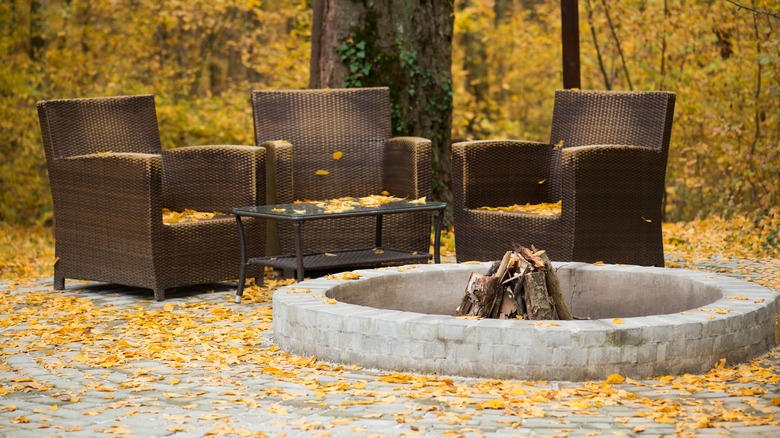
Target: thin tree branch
(775, 14)
(757, 118)
(663, 47)
(617, 43)
(596, 44)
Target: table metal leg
(298, 251)
(242, 272)
(437, 237)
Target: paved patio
(100, 360)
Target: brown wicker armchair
(302, 129)
(110, 181)
(606, 162)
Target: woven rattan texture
(606, 161)
(356, 122)
(110, 181)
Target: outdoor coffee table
(354, 258)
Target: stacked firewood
(521, 285)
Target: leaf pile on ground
(25, 252)
(745, 245)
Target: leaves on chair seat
(543, 209)
(170, 217)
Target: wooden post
(570, 43)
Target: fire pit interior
(642, 322)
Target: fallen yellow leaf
(337, 155)
(497, 403)
(344, 276)
(615, 379)
(321, 172)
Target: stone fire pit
(673, 321)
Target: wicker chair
(606, 162)
(110, 181)
(301, 130)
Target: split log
(520, 298)
(502, 268)
(508, 308)
(554, 287)
(530, 256)
(480, 296)
(498, 298)
(538, 303)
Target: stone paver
(53, 391)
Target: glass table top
(337, 207)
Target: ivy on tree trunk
(405, 45)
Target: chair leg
(59, 281)
(258, 274)
(159, 293)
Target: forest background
(202, 58)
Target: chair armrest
(214, 177)
(279, 172)
(499, 173)
(613, 183)
(406, 167)
(110, 194)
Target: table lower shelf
(357, 258)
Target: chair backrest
(84, 126)
(589, 117)
(318, 123)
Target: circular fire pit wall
(671, 321)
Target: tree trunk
(37, 41)
(402, 44)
